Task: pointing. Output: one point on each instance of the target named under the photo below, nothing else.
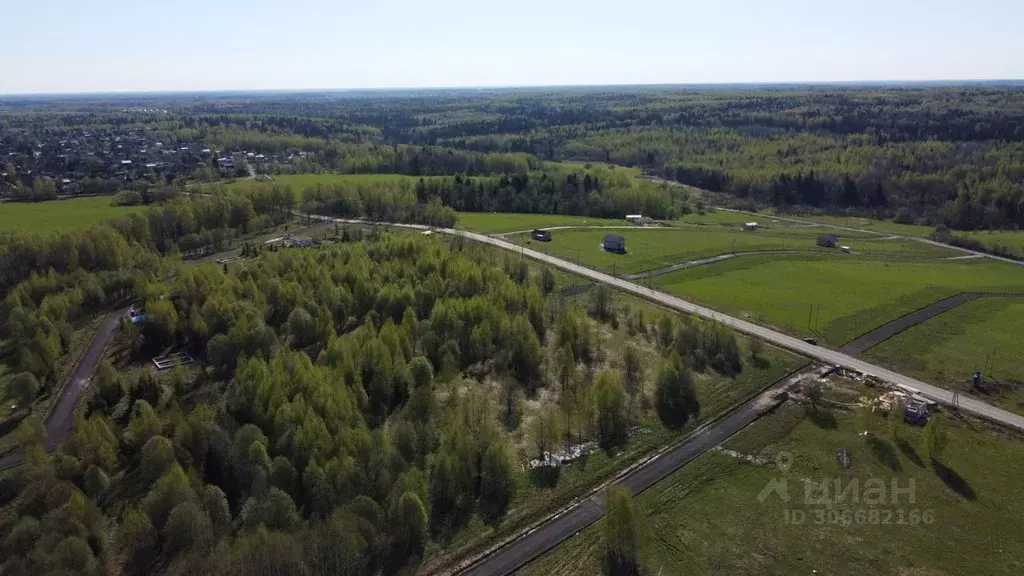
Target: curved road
(832, 357)
(62, 413)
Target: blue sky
(109, 45)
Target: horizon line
(795, 83)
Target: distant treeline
(931, 155)
(595, 191)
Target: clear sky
(121, 45)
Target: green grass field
(1014, 240)
(995, 238)
(300, 182)
(651, 248)
(59, 215)
(498, 223)
(707, 518)
(946, 350)
(627, 170)
(881, 226)
(849, 296)
(727, 218)
(897, 247)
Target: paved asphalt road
(513, 555)
(509, 558)
(886, 331)
(832, 357)
(58, 425)
(967, 405)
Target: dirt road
(62, 415)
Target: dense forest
(947, 155)
(345, 416)
(359, 405)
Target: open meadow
(299, 182)
(834, 299)
(652, 248)
(880, 226)
(503, 223)
(995, 240)
(981, 335)
(59, 215)
(715, 516)
(1011, 240)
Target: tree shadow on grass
(885, 452)
(955, 481)
(11, 423)
(823, 419)
(545, 476)
(908, 450)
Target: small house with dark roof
(614, 243)
(828, 241)
(541, 235)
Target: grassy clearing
(299, 182)
(908, 248)
(651, 248)
(849, 296)
(59, 215)
(1000, 238)
(946, 350)
(497, 223)
(1014, 240)
(629, 171)
(883, 226)
(707, 518)
(728, 218)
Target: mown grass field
(651, 248)
(499, 223)
(881, 226)
(1000, 238)
(628, 170)
(834, 299)
(299, 182)
(946, 350)
(728, 218)
(1014, 240)
(59, 215)
(707, 519)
